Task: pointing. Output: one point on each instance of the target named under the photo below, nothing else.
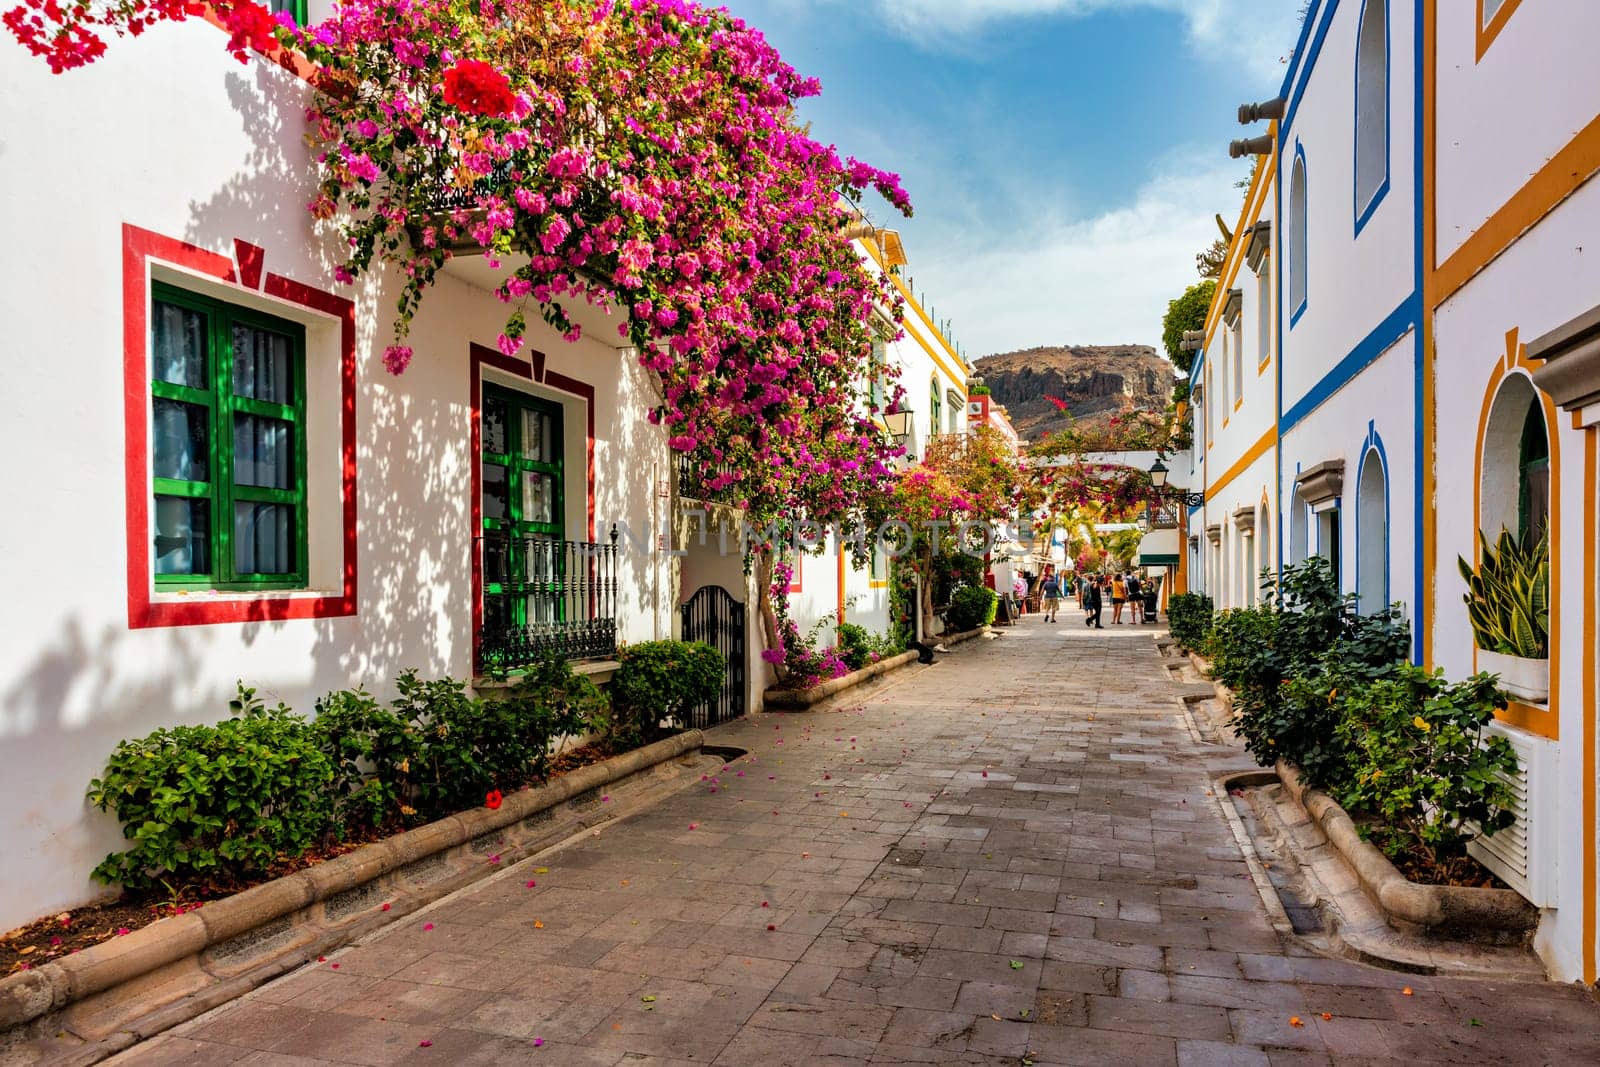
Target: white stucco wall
(168, 133)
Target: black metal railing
(694, 481)
(543, 597)
(1163, 516)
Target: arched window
(1299, 533)
(1515, 491)
(1264, 561)
(1372, 534)
(935, 409)
(1297, 236)
(1372, 108)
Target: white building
(1437, 339)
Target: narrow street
(1011, 856)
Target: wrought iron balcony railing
(694, 482)
(542, 597)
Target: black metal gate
(713, 616)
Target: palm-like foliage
(1508, 596)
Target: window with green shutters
(227, 444)
(524, 513)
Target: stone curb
(1454, 911)
(801, 699)
(126, 989)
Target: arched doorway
(1372, 533)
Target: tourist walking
(1135, 599)
(1051, 588)
(1091, 604)
(1119, 596)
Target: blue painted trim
(1363, 213)
(1301, 265)
(1384, 336)
(1373, 445)
(1299, 49)
(1277, 327)
(1422, 512)
(1303, 74)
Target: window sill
(210, 596)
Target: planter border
(92, 1004)
(1434, 910)
(802, 699)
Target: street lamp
(898, 423)
(1158, 480)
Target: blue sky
(1065, 157)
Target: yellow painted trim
(1591, 883)
(912, 302)
(1255, 202)
(841, 592)
(1255, 452)
(1558, 179)
(1544, 722)
(1486, 34)
(1237, 404)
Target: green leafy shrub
(1285, 661)
(217, 803)
(1189, 619)
(373, 751)
(1508, 596)
(855, 645)
(661, 680)
(971, 606)
(1421, 763)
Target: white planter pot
(1525, 679)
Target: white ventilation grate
(1509, 853)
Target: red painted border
(481, 356)
(139, 247)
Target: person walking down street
(1091, 604)
(1051, 587)
(1119, 596)
(1135, 600)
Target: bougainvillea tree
(948, 501)
(639, 156)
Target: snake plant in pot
(1508, 603)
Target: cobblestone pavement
(1012, 856)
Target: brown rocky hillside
(1096, 381)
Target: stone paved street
(1012, 856)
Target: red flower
(251, 26)
(478, 88)
(493, 799)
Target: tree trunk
(925, 596)
(769, 614)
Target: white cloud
(1255, 33)
(1101, 280)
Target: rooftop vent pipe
(1255, 146)
(1267, 109)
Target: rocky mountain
(1096, 381)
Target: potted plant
(1508, 602)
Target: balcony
(694, 478)
(543, 597)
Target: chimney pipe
(1255, 146)
(1267, 109)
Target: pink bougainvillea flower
(424, 1043)
(531, 883)
(495, 858)
(427, 926)
(385, 907)
(538, 1042)
(694, 826)
(493, 799)
(123, 931)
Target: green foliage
(1187, 312)
(857, 646)
(953, 569)
(661, 680)
(373, 750)
(1189, 619)
(225, 803)
(972, 606)
(219, 802)
(1508, 596)
(1421, 763)
(902, 603)
(978, 390)
(1287, 660)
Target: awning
(1158, 548)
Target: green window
(524, 514)
(876, 371)
(295, 8)
(227, 443)
(935, 409)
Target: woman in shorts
(1119, 596)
